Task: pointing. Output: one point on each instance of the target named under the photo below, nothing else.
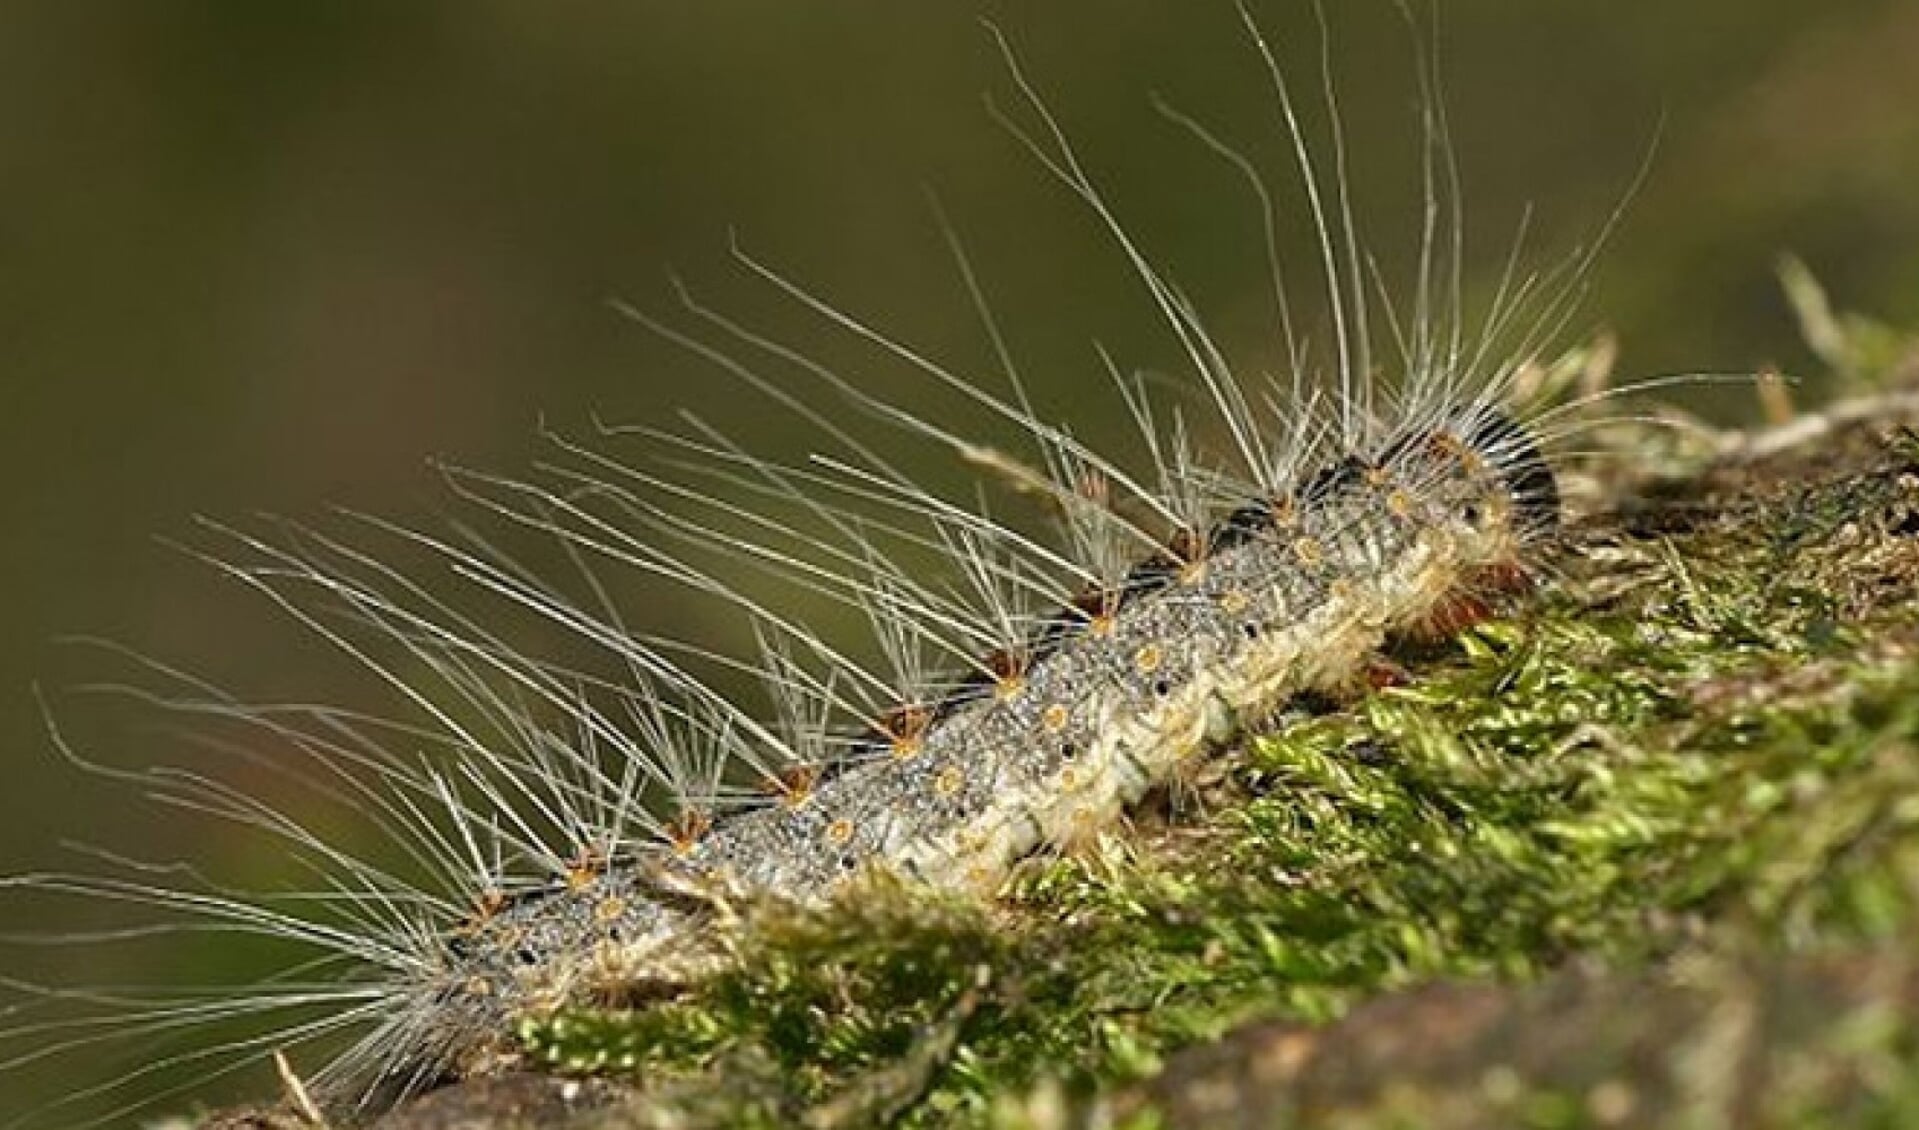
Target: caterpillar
(555, 834)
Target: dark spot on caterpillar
(1186, 547)
(1250, 629)
(1335, 480)
(1470, 513)
(1095, 603)
(825, 773)
(1242, 526)
(1162, 688)
(972, 687)
(1522, 470)
(1150, 576)
(1068, 750)
(526, 956)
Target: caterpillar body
(1280, 598)
(1145, 614)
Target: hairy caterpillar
(1178, 600)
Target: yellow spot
(1054, 718)
(477, 987)
(1009, 688)
(1069, 779)
(1100, 626)
(1147, 659)
(490, 903)
(840, 831)
(949, 781)
(1447, 445)
(1233, 602)
(794, 787)
(609, 910)
(1309, 551)
(1450, 445)
(686, 830)
(1399, 504)
(583, 870)
(906, 727)
(1341, 590)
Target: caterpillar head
(1484, 483)
(1524, 476)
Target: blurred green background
(272, 257)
